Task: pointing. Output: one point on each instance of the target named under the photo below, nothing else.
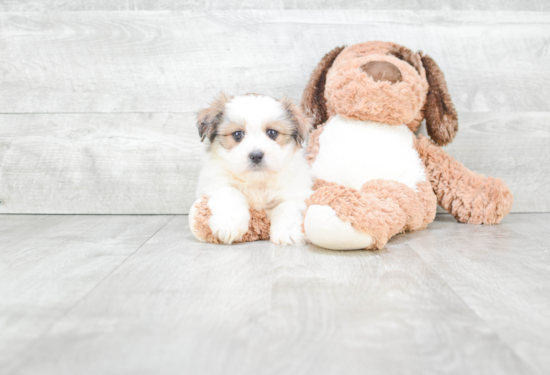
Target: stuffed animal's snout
(382, 71)
(374, 87)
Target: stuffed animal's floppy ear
(302, 124)
(440, 113)
(313, 99)
(209, 118)
(405, 54)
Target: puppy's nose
(256, 156)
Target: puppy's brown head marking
(225, 133)
(208, 119)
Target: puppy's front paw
(230, 225)
(287, 235)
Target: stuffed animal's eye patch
(272, 133)
(238, 135)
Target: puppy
(255, 160)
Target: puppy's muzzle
(256, 157)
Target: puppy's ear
(313, 101)
(441, 117)
(209, 118)
(301, 123)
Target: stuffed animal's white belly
(354, 152)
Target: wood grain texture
(181, 307)
(487, 268)
(98, 107)
(98, 163)
(10, 223)
(530, 225)
(149, 163)
(48, 263)
(162, 61)
(91, 5)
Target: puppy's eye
(271, 133)
(238, 135)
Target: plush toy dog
(375, 178)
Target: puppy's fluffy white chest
(354, 152)
(263, 194)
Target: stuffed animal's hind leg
(470, 197)
(381, 209)
(322, 224)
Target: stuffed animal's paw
(325, 229)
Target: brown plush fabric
(415, 124)
(313, 99)
(405, 54)
(382, 71)
(258, 227)
(414, 59)
(428, 198)
(471, 198)
(382, 208)
(354, 94)
(313, 149)
(441, 116)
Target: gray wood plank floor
(138, 295)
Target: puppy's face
(253, 135)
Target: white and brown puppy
(254, 160)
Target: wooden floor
(138, 295)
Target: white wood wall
(98, 98)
